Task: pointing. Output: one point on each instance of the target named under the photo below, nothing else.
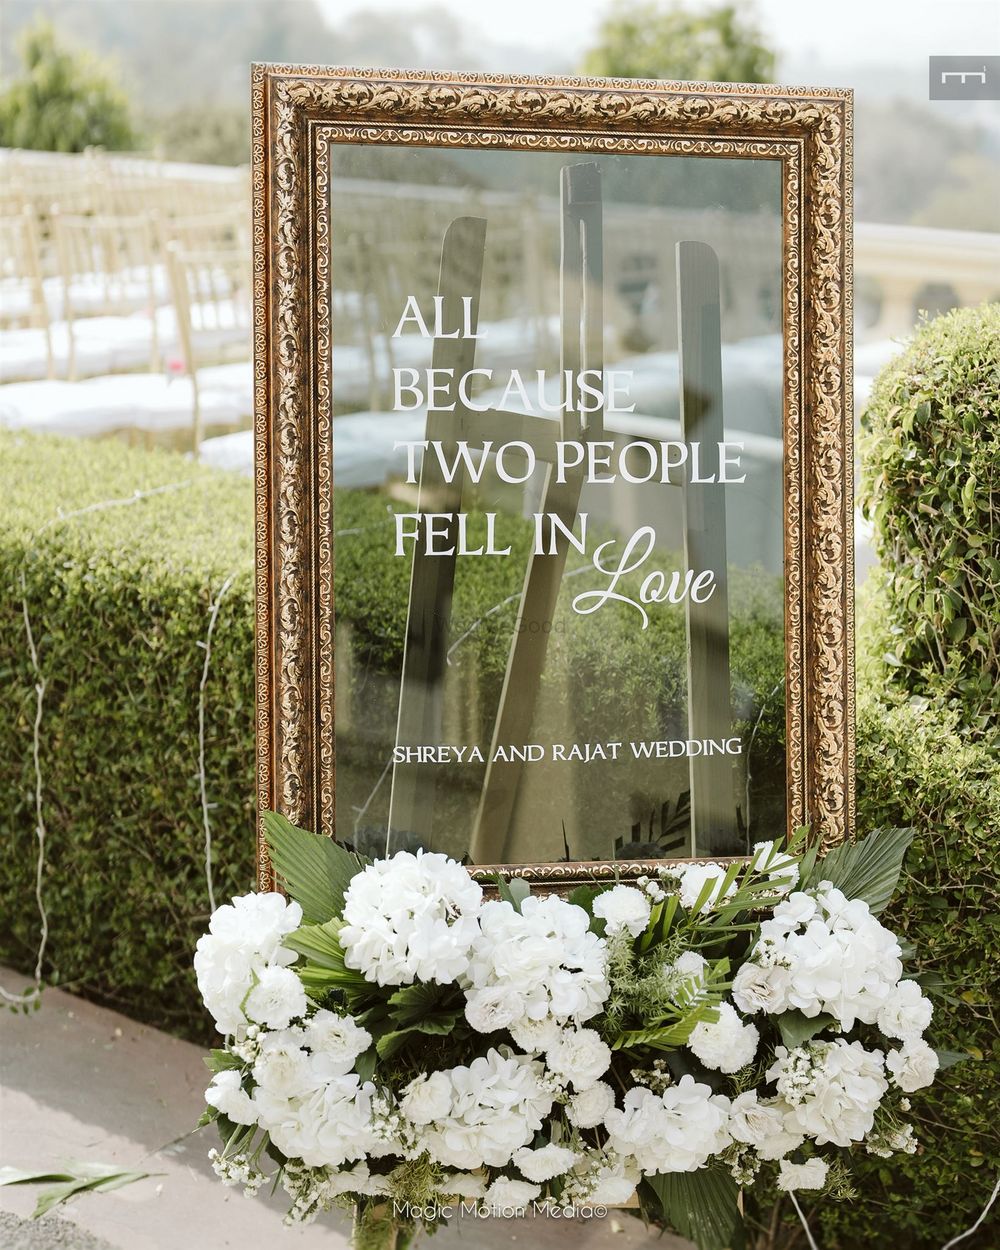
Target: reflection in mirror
(558, 503)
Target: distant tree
(216, 134)
(645, 39)
(66, 100)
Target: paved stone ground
(82, 1083)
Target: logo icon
(965, 77)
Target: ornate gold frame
(297, 112)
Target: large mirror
(554, 498)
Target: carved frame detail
(297, 113)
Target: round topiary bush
(931, 488)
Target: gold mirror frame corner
(297, 111)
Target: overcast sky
(839, 32)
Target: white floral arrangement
(399, 1044)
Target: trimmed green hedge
(916, 766)
(118, 600)
(931, 486)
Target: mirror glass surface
(558, 555)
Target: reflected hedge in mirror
(537, 417)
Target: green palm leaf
(701, 1206)
(315, 870)
(868, 869)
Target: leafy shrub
(118, 604)
(917, 767)
(65, 101)
(931, 482)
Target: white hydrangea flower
(588, 1108)
(426, 1098)
(809, 1175)
(726, 1044)
(276, 999)
(328, 1127)
(243, 938)
(578, 1056)
(914, 1066)
(833, 1089)
(411, 918)
(545, 1162)
(226, 1094)
(623, 907)
(544, 956)
(762, 1125)
(497, 1105)
(906, 1013)
(693, 878)
(506, 1198)
(834, 958)
(676, 1131)
(614, 1184)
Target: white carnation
(726, 1044)
(493, 1007)
(336, 1042)
(588, 1108)
(283, 1068)
(243, 938)
(905, 1013)
(808, 1175)
(506, 1198)
(832, 1088)
(226, 1094)
(623, 907)
(580, 1056)
(533, 1036)
(411, 918)
(462, 1185)
(276, 999)
(545, 1162)
(677, 1131)
(544, 956)
(913, 1067)
(427, 1098)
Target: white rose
(623, 907)
(808, 1175)
(726, 1044)
(580, 1056)
(913, 1067)
(545, 1162)
(762, 1125)
(507, 1198)
(760, 989)
(906, 1012)
(782, 868)
(277, 999)
(226, 1094)
(426, 1098)
(588, 1108)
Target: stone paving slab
(83, 1083)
